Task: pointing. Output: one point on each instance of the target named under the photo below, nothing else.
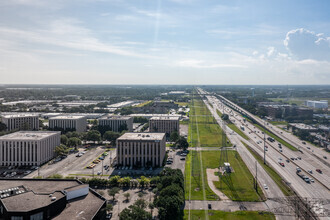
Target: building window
(16, 218)
(38, 216)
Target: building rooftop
(170, 118)
(67, 117)
(28, 135)
(115, 117)
(142, 136)
(19, 115)
(38, 192)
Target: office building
(20, 122)
(28, 147)
(317, 104)
(165, 124)
(117, 123)
(26, 199)
(141, 149)
(68, 123)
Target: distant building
(141, 149)
(26, 199)
(117, 123)
(165, 104)
(28, 147)
(164, 125)
(21, 121)
(148, 116)
(301, 126)
(68, 123)
(317, 104)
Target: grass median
(222, 215)
(280, 140)
(238, 131)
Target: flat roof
(115, 117)
(141, 136)
(19, 115)
(170, 118)
(37, 196)
(67, 117)
(28, 135)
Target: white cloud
(305, 44)
(271, 51)
(207, 65)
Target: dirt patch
(197, 189)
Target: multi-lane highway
(317, 190)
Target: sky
(165, 42)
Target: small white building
(68, 123)
(28, 147)
(317, 104)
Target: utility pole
(102, 167)
(256, 186)
(264, 147)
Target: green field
(182, 103)
(279, 123)
(280, 140)
(208, 128)
(221, 215)
(238, 131)
(143, 104)
(271, 172)
(238, 186)
(193, 178)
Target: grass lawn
(182, 103)
(195, 177)
(238, 187)
(143, 104)
(184, 122)
(280, 140)
(238, 215)
(271, 172)
(238, 131)
(209, 130)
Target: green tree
(127, 195)
(93, 135)
(113, 191)
(174, 137)
(3, 126)
(61, 150)
(136, 212)
(109, 207)
(64, 139)
(182, 143)
(111, 136)
(114, 180)
(74, 142)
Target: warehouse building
(20, 122)
(117, 123)
(68, 123)
(26, 199)
(28, 147)
(141, 149)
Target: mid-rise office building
(26, 199)
(68, 123)
(141, 149)
(117, 123)
(165, 124)
(317, 104)
(28, 147)
(21, 122)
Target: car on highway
(99, 172)
(209, 206)
(265, 186)
(79, 155)
(182, 158)
(288, 161)
(303, 142)
(312, 180)
(319, 171)
(282, 164)
(325, 157)
(299, 158)
(298, 169)
(310, 171)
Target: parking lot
(175, 160)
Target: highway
(317, 190)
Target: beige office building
(21, 122)
(141, 149)
(28, 147)
(68, 123)
(164, 124)
(117, 122)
